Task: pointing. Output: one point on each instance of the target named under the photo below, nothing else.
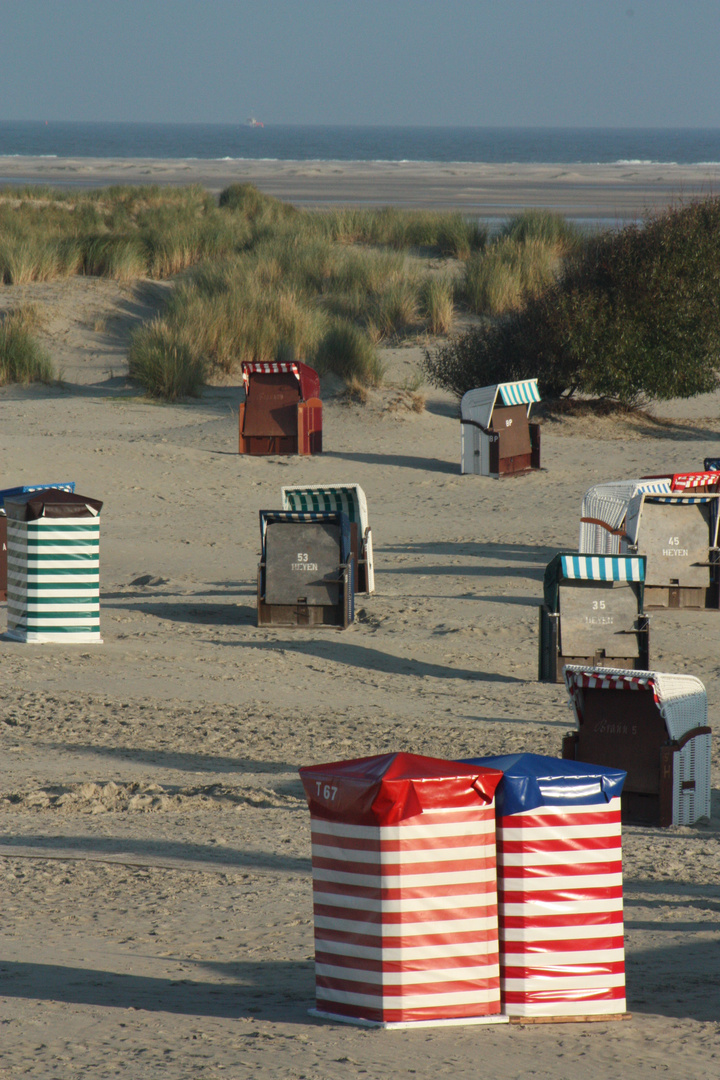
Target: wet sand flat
(616, 191)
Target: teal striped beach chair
(53, 567)
(496, 436)
(593, 613)
(346, 499)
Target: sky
(525, 63)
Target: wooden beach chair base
(589, 1019)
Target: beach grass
(257, 278)
(22, 359)
(164, 366)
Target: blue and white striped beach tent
(53, 567)
(476, 416)
(348, 499)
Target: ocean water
(298, 143)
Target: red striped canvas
(406, 925)
(561, 911)
(269, 368)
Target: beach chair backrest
(599, 599)
(347, 499)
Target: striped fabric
(519, 393)
(602, 568)
(267, 369)
(591, 680)
(268, 516)
(685, 481)
(406, 919)
(324, 499)
(560, 903)
(54, 580)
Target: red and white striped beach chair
(405, 891)
(652, 725)
(282, 411)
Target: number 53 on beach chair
(306, 575)
(346, 499)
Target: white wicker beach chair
(673, 521)
(658, 734)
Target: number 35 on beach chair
(593, 613)
(282, 411)
(306, 575)
(346, 499)
(496, 437)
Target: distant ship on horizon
(252, 122)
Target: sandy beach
(614, 192)
(155, 849)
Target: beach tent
(592, 612)
(673, 521)
(53, 567)
(652, 725)
(306, 575)
(282, 411)
(348, 499)
(712, 464)
(496, 437)
(404, 891)
(7, 493)
(560, 887)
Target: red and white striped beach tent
(560, 892)
(405, 891)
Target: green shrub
(346, 351)
(163, 365)
(22, 360)
(635, 315)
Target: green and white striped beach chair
(347, 499)
(53, 567)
